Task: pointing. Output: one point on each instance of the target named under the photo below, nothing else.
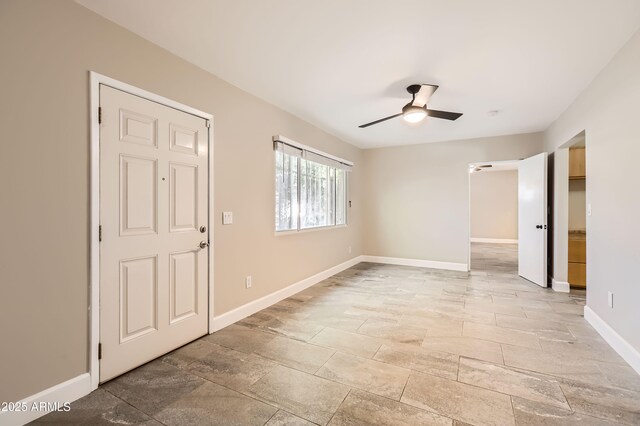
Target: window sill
(305, 231)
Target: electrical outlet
(247, 282)
(610, 299)
(227, 218)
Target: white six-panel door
(153, 218)
(532, 219)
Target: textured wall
(47, 49)
(494, 205)
(608, 113)
(417, 197)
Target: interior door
(154, 230)
(532, 219)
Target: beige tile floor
(388, 345)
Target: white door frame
(96, 80)
(469, 201)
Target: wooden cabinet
(577, 260)
(577, 274)
(577, 163)
(577, 251)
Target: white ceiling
(342, 63)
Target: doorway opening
(531, 218)
(571, 211)
(577, 214)
(493, 218)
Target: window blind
(287, 146)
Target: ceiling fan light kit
(416, 110)
(413, 114)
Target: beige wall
(608, 111)
(494, 204)
(47, 49)
(577, 205)
(416, 197)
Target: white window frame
(346, 165)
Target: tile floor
(388, 345)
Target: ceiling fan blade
(444, 114)
(379, 121)
(423, 95)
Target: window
(311, 187)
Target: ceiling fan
(416, 110)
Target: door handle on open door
(204, 244)
(538, 226)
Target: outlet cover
(227, 218)
(248, 282)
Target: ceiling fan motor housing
(414, 88)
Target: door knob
(203, 229)
(538, 226)
(204, 244)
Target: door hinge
(100, 233)
(99, 350)
(208, 124)
(99, 115)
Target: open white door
(532, 219)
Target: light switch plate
(227, 218)
(589, 209)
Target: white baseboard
(494, 240)
(451, 266)
(560, 286)
(228, 318)
(621, 346)
(61, 393)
